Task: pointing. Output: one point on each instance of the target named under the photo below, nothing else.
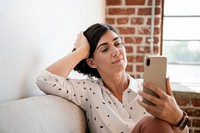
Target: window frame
(162, 37)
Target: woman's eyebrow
(115, 39)
(106, 43)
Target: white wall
(35, 33)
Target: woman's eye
(104, 50)
(117, 44)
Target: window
(181, 40)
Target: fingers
(82, 45)
(149, 108)
(155, 89)
(156, 109)
(157, 101)
(165, 106)
(80, 34)
(78, 39)
(149, 97)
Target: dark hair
(93, 35)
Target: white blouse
(104, 112)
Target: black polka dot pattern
(103, 110)
(54, 85)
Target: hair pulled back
(93, 35)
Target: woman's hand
(65, 65)
(82, 43)
(165, 107)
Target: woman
(111, 101)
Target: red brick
(135, 2)
(139, 68)
(147, 49)
(196, 131)
(189, 124)
(156, 49)
(156, 21)
(130, 59)
(182, 101)
(158, 2)
(121, 11)
(144, 11)
(139, 58)
(110, 20)
(129, 49)
(137, 40)
(122, 15)
(158, 11)
(137, 21)
(122, 20)
(196, 123)
(129, 68)
(147, 31)
(195, 102)
(128, 40)
(156, 40)
(133, 40)
(144, 31)
(113, 2)
(147, 11)
(193, 112)
(156, 31)
(126, 30)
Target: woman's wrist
(84, 51)
(182, 123)
(177, 117)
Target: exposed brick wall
(190, 102)
(132, 18)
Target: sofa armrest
(41, 114)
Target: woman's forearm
(65, 65)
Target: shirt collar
(134, 85)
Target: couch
(41, 114)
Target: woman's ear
(91, 63)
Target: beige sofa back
(41, 114)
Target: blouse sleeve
(70, 89)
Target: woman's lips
(117, 61)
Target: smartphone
(155, 68)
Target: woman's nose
(115, 52)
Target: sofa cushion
(41, 114)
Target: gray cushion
(41, 114)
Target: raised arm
(64, 66)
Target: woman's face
(110, 55)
